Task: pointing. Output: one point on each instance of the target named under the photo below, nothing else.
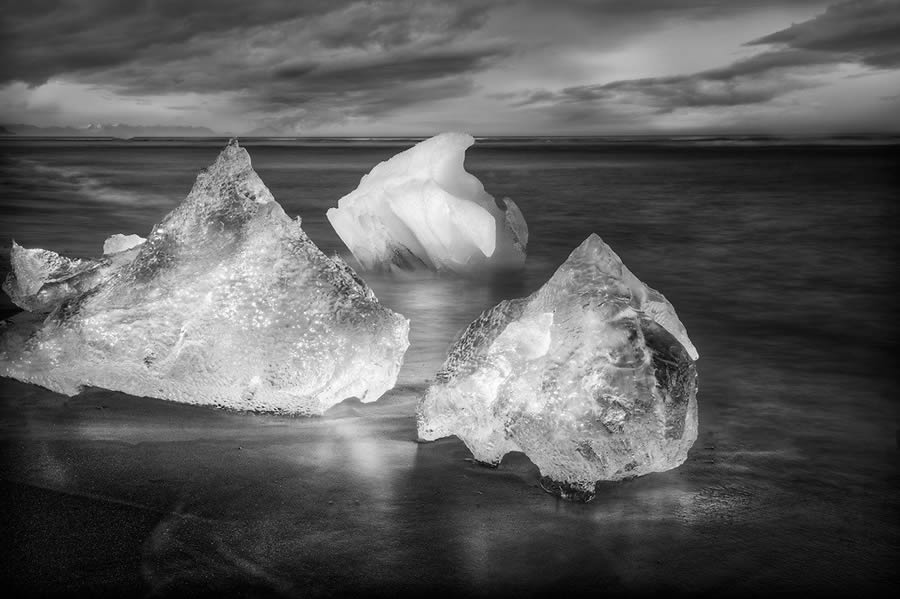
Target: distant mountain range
(127, 131)
(118, 130)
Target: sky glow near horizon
(490, 68)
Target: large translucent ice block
(592, 377)
(421, 209)
(227, 303)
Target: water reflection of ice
(374, 463)
(439, 308)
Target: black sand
(113, 495)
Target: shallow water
(780, 261)
(791, 249)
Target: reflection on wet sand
(441, 307)
(158, 497)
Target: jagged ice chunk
(40, 280)
(119, 243)
(227, 303)
(592, 377)
(422, 209)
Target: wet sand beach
(114, 495)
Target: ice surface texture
(40, 280)
(227, 303)
(120, 243)
(592, 377)
(422, 209)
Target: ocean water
(785, 251)
(779, 257)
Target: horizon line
(846, 134)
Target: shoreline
(117, 494)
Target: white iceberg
(422, 209)
(120, 243)
(227, 303)
(592, 377)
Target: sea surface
(787, 249)
(780, 257)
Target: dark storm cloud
(867, 30)
(863, 31)
(319, 61)
(295, 111)
(388, 71)
(57, 38)
(748, 81)
(394, 24)
(266, 54)
(207, 71)
(688, 9)
(370, 87)
(44, 38)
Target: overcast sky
(338, 67)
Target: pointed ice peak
(227, 303)
(231, 172)
(596, 252)
(232, 157)
(593, 262)
(592, 243)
